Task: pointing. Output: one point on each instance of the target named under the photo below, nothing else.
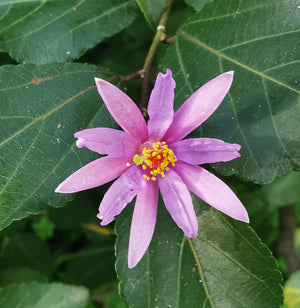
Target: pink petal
(212, 190)
(96, 173)
(123, 110)
(179, 203)
(205, 150)
(107, 141)
(120, 193)
(160, 107)
(198, 107)
(143, 223)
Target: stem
(159, 36)
(145, 73)
(286, 245)
(145, 89)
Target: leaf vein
(256, 40)
(218, 54)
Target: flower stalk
(160, 36)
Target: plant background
(53, 253)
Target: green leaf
(38, 295)
(152, 10)
(283, 191)
(115, 301)
(259, 40)
(292, 291)
(20, 274)
(197, 4)
(225, 266)
(43, 227)
(83, 210)
(41, 108)
(27, 250)
(57, 31)
(91, 266)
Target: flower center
(155, 160)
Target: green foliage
(258, 42)
(152, 10)
(27, 250)
(115, 302)
(225, 266)
(62, 257)
(45, 106)
(38, 295)
(197, 4)
(284, 190)
(44, 228)
(59, 31)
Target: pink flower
(148, 158)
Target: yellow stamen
(155, 160)
(138, 160)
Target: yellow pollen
(155, 160)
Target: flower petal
(143, 223)
(212, 190)
(198, 107)
(160, 107)
(179, 203)
(199, 151)
(120, 193)
(96, 173)
(105, 140)
(123, 110)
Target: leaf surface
(27, 250)
(43, 32)
(197, 4)
(152, 10)
(259, 40)
(39, 295)
(282, 191)
(225, 266)
(41, 108)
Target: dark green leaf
(259, 40)
(225, 266)
(41, 108)
(27, 250)
(83, 210)
(57, 31)
(152, 10)
(197, 4)
(20, 274)
(115, 302)
(90, 266)
(283, 191)
(38, 295)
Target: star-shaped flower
(152, 157)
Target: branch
(160, 35)
(145, 73)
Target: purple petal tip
(131, 262)
(246, 218)
(230, 73)
(57, 190)
(168, 71)
(192, 234)
(98, 79)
